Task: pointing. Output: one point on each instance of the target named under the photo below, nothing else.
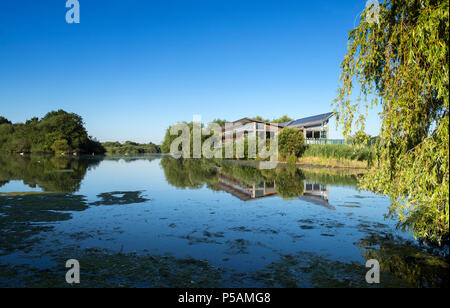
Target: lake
(155, 221)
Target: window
(309, 134)
(316, 135)
(323, 134)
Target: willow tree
(398, 58)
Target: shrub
(291, 142)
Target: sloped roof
(309, 121)
(248, 120)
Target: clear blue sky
(131, 68)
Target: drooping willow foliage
(400, 61)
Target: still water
(155, 221)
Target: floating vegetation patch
(199, 240)
(330, 224)
(241, 229)
(373, 227)
(306, 221)
(306, 227)
(103, 268)
(327, 234)
(306, 269)
(349, 205)
(407, 261)
(268, 231)
(238, 246)
(23, 217)
(120, 197)
(215, 234)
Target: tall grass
(340, 151)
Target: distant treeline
(132, 148)
(57, 132)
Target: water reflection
(246, 181)
(50, 173)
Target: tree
(4, 120)
(401, 62)
(60, 146)
(259, 118)
(45, 135)
(284, 118)
(291, 142)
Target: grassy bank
(333, 162)
(337, 155)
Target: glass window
(316, 135)
(309, 134)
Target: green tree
(259, 118)
(60, 146)
(39, 136)
(4, 120)
(401, 62)
(284, 118)
(291, 142)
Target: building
(247, 127)
(314, 128)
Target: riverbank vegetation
(400, 62)
(58, 132)
(338, 155)
(293, 149)
(130, 148)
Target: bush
(291, 142)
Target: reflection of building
(246, 192)
(313, 192)
(316, 193)
(314, 128)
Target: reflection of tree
(129, 159)
(246, 174)
(189, 173)
(288, 181)
(194, 173)
(51, 173)
(333, 177)
(407, 261)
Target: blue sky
(131, 68)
